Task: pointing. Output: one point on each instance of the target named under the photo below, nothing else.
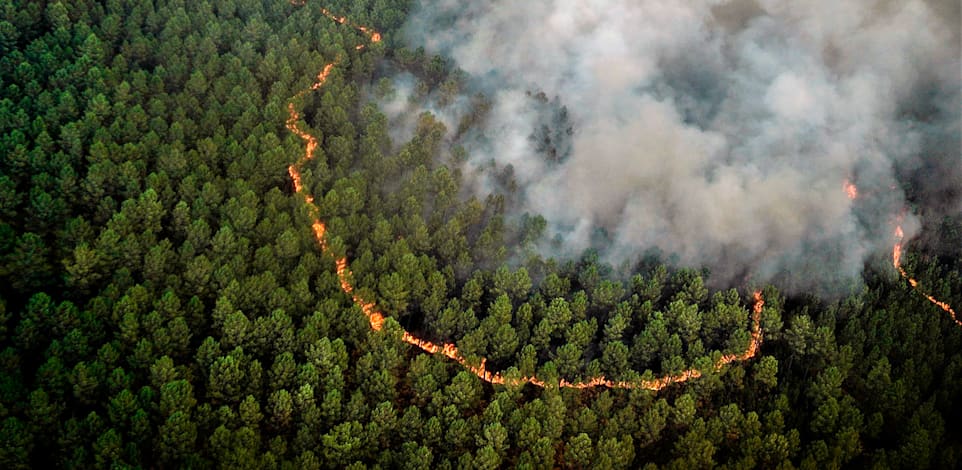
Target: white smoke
(718, 132)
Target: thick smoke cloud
(717, 132)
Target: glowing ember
(449, 350)
(850, 189)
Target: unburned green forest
(164, 302)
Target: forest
(167, 299)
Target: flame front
(851, 191)
(449, 350)
(897, 263)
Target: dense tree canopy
(163, 301)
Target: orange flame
(897, 262)
(449, 350)
(850, 189)
(852, 192)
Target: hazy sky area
(718, 132)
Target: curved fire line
(449, 350)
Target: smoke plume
(720, 133)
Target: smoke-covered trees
(163, 298)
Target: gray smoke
(718, 132)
